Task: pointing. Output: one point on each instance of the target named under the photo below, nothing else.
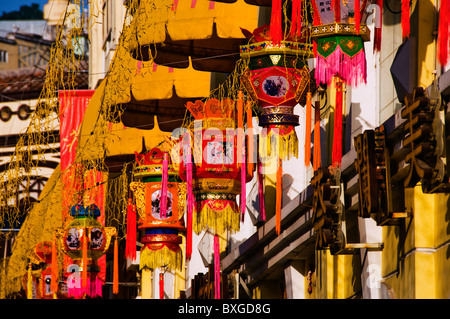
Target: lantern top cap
(89, 211)
(260, 43)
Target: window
(3, 56)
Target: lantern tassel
(308, 130)
(116, 268)
(164, 182)
(54, 278)
(161, 285)
(216, 267)
(337, 138)
(317, 149)
(443, 32)
(130, 248)
(190, 203)
(84, 259)
(405, 18)
(279, 190)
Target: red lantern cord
(378, 27)
(216, 267)
(161, 285)
(116, 268)
(405, 18)
(275, 22)
(337, 138)
(357, 16)
(443, 32)
(317, 149)
(130, 248)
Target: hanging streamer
(250, 147)
(308, 130)
(443, 32)
(336, 155)
(243, 186)
(296, 19)
(317, 150)
(405, 18)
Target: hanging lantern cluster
(160, 197)
(214, 166)
(85, 240)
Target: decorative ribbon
(443, 33)
(405, 18)
(164, 180)
(308, 130)
(216, 267)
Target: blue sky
(12, 5)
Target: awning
(207, 31)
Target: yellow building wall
(416, 255)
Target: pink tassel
(216, 267)
(262, 208)
(164, 179)
(130, 248)
(93, 289)
(190, 203)
(243, 186)
(352, 70)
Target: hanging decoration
(443, 32)
(217, 158)
(160, 201)
(339, 40)
(277, 78)
(85, 240)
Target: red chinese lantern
(160, 201)
(85, 240)
(277, 78)
(215, 168)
